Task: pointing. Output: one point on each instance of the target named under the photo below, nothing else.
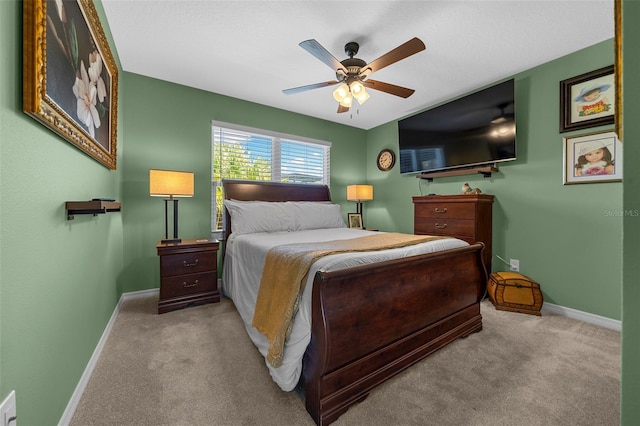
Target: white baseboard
(86, 375)
(583, 316)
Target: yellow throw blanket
(285, 274)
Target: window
(253, 154)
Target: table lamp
(172, 184)
(359, 193)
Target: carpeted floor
(198, 367)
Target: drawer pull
(185, 285)
(443, 226)
(188, 264)
(441, 211)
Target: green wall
(630, 404)
(563, 235)
(60, 281)
(176, 135)
(57, 277)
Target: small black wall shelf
(94, 207)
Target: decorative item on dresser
(188, 273)
(467, 217)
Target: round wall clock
(386, 160)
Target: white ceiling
(249, 49)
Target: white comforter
(243, 264)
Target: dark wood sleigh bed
(373, 321)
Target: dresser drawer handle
(185, 285)
(441, 211)
(443, 226)
(187, 264)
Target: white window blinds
(253, 154)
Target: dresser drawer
(444, 226)
(466, 217)
(188, 263)
(446, 210)
(188, 284)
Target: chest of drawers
(467, 217)
(188, 274)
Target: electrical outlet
(514, 265)
(8, 410)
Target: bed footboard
(372, 321)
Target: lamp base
(171, 241)
(175, 238)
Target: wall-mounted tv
(475, 130)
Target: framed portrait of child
(588, 100)
(592, 158)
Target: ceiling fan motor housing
(353, 71)
(351, 49)
(353, 65)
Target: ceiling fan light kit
(352, 73)
(341, 92)
(358, 91)
(344, 94)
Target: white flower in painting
(60, 8)
(86, 94)
(95, 72)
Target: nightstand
(188, 274)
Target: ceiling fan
(352, 74)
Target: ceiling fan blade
(317, 50)
(405, 50)
(392, 89)
(309, 87)
(342, 109)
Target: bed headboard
(253, 190)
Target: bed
(363, 317)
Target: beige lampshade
(169, 183)
(360, 192)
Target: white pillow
(248, 217)
(316, 215)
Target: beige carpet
(198, 367)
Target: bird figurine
(467, 190)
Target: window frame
(276, 176)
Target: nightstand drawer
(188, 284)
(445, 226)
(188, 263)
(446, 210)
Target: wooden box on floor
(512, 291)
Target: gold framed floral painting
(70, 79)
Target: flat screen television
(475, 130)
